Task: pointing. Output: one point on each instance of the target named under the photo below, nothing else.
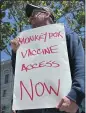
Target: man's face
(39, 18)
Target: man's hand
(14, 111)
(15, 44)
(67, 105)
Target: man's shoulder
(70, 34)
(72, 37)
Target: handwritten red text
(32, 52)
(41, 64)
(40, 37)
(34, 89)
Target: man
(40, 16)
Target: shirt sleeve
(77, 67)
(13, 58)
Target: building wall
(6, 86)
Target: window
(6, 78)
(3, 109)
(3, 112)
(6, 73)
(4, 93)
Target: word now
(31, 52)
(34, 89)
(42, 64)
(42, 37)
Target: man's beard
(41, 23)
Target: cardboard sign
(42, 75)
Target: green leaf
(2, 15)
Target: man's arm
(13, 58)
(76, 59)
(72, 101)
(15, 45)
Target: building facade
(6, 86)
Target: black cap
(29, 9)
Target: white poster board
(42, 75)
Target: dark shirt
(76, 61)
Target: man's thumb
(60, 103)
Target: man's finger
(60, 103)
(64, 107)
(12, 41)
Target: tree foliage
(15, 11)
